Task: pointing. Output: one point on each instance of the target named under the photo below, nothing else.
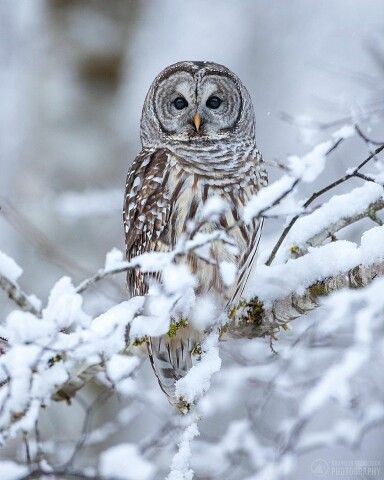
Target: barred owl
(198, 140)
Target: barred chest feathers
(187, 188)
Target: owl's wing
(146, 211)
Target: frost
(9, 268)
(124, 462)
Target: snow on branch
(284, 292)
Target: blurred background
(73, 77)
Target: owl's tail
(171, 359)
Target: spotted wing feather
(146, 212)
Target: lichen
(318, 289)
(174, 327)
(140, 341)
(294, 249)
(197, 350)
(183, 406)
(57, 358)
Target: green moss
(255, 311)
(295, 249)
(174, 327)
(318, 289)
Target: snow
(178, 278)
(335, 383)
(205, 312)
(114, 259)
(24, 327)
(372, 245)
(9, 268)
(344, 132)
(197, 381)
(277, 281)
(270, 283)
(124, 462)
(121, 366)
(65, 305)
(338, 207)
(180, 464)
(266, 197)
(214, 207)
(12, 471)
(228, 272)
(309, 167)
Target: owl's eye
(214, 102)
(180, 103)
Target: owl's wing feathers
(146, 212)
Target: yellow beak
(197, 121)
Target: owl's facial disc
(190, 106)
(219, 104)
(175, 103)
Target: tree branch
(252, 319)
(16, 294)
(316, 195)
(329, 231)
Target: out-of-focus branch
(250, 320)
(16, 294)
(64, 474)
(38, 239)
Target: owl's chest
(188, 193)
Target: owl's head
(194, 102)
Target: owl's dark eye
(180, 103)
(214, 102)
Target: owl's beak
(197, 121)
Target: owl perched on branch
(198, 141)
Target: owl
(198, 141)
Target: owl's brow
(170, 71)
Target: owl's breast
(187, 193)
